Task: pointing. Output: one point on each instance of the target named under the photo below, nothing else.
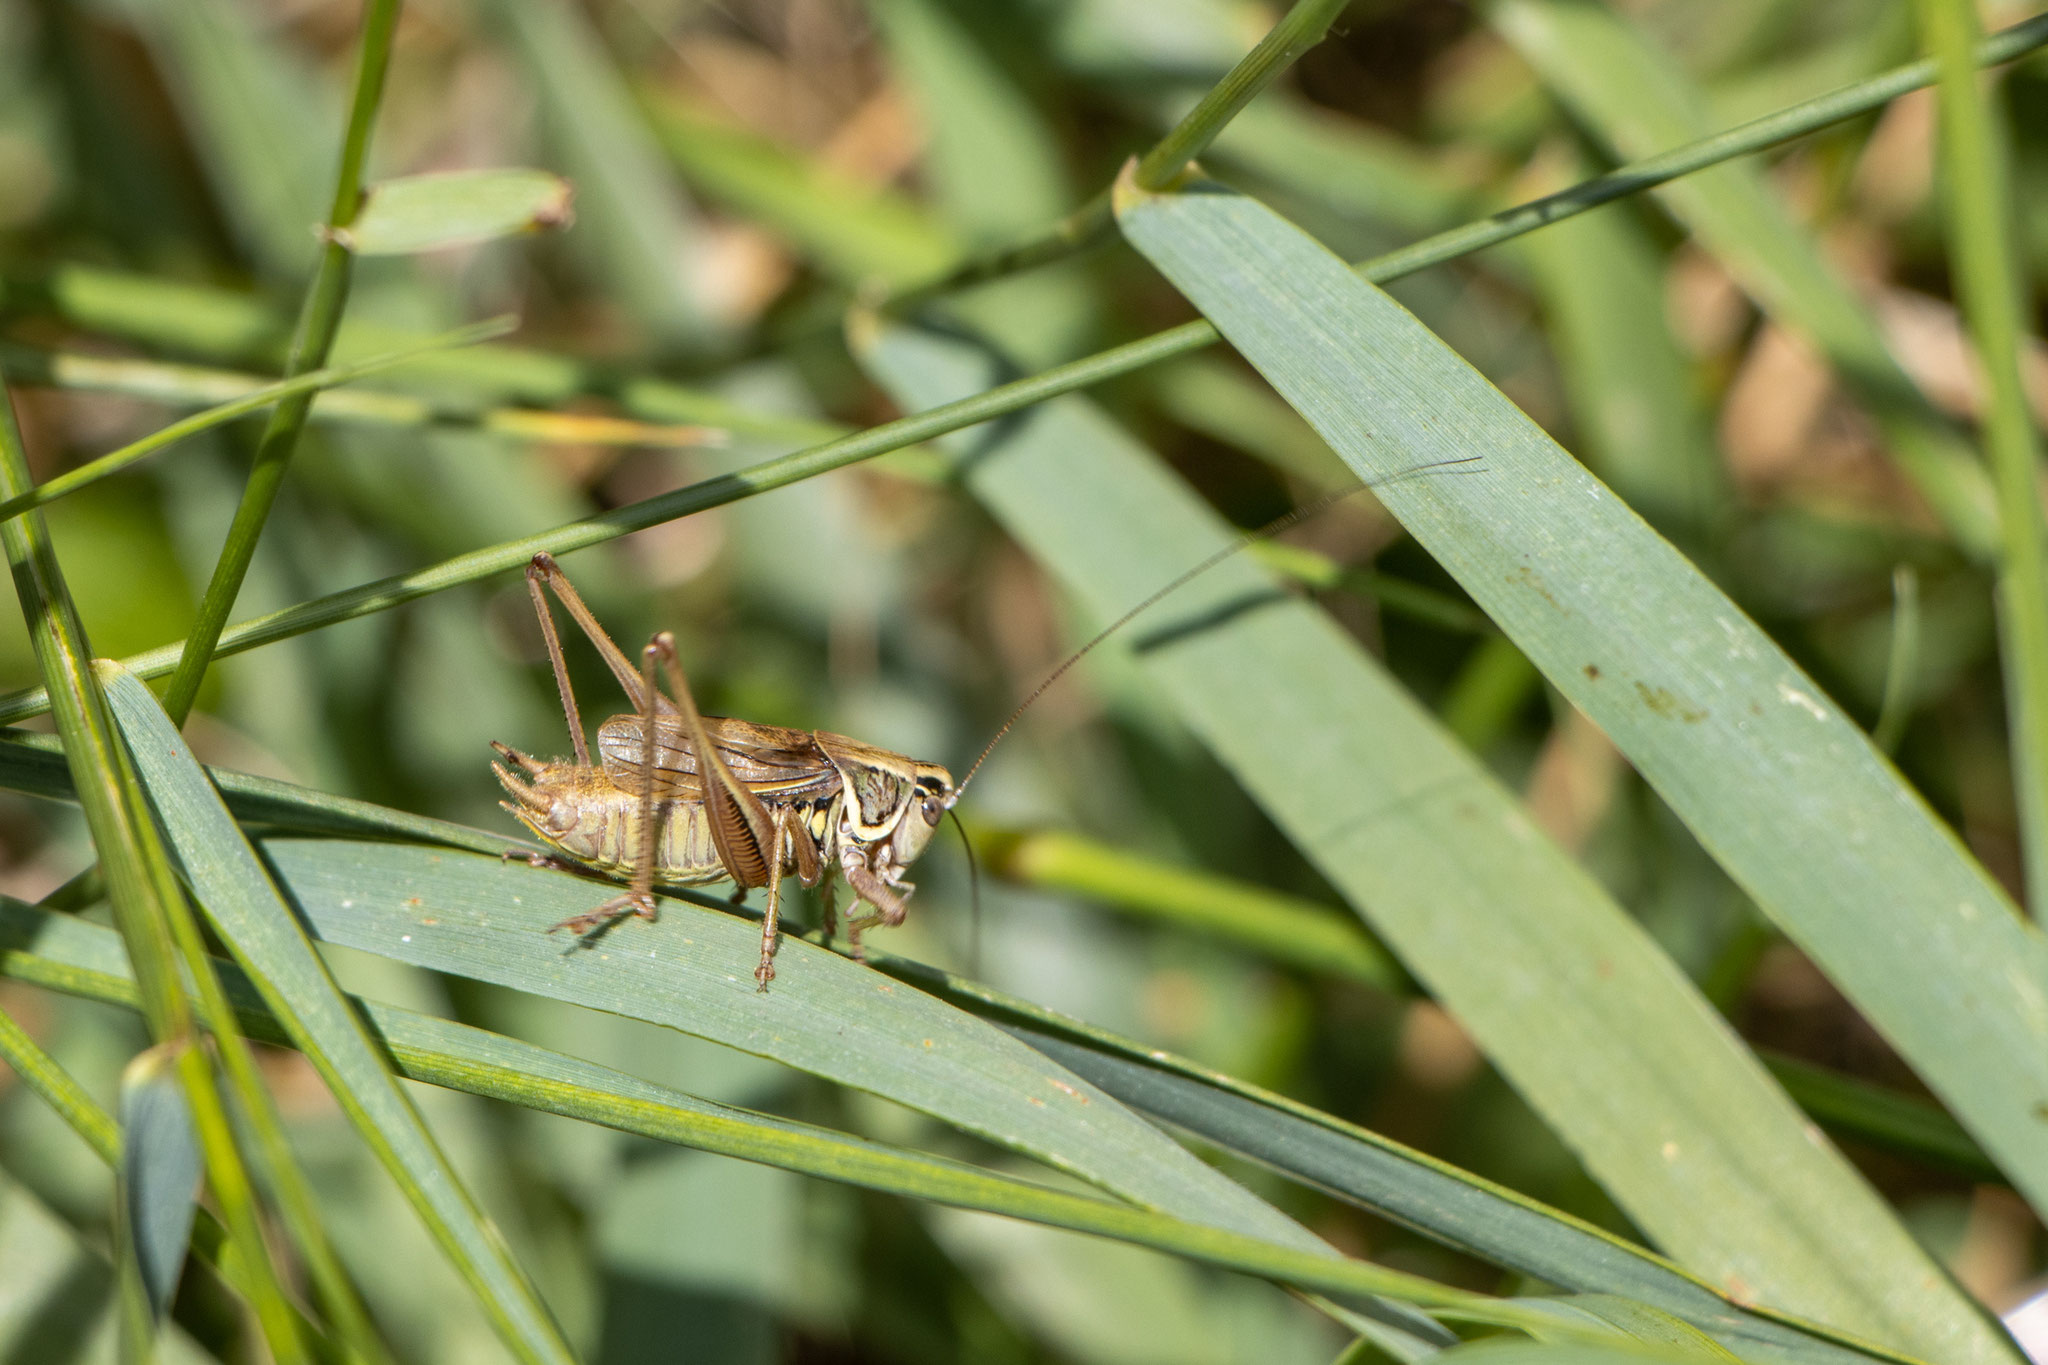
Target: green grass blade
(1854, 1108)
(1641, 425)
(1639, 100)
(670, 403)
(82, 959)
(1786, 793)
(692, 970)
(319, 319)
(1993, 293)
(852, 231)
(225, 326)
(636, 229)
(161, 1164)
(246, 910)
(193, 386)
(80, 1112)
(1408, 1187)
(1414, 832)
(1301, 933)
(445, 209)
(114, 461)
(140, 881)
(261, 1121)
(483, 918)
(1438, 1200)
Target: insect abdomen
(683, 852)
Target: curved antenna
(973, 898)
(1280, 523)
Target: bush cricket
(687, 799)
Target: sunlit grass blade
(319, 318)
(1492, 1223)
(1779, 786)
(246, 910)
(1419, 838)
(692, 970)
(445, 209)
(141, 883)
(105, 300)
(80, 1112)
(1855, 1108)
(224, 326)
(1994, 294)
(114, 461)
(159, 1185)
(82, 959)
(1396, 1182)
(1639, 100)
(192, 385)
(1284, 928)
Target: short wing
(778, 763)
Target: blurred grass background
(741, 170)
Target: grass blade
(80, 1112)
(637, 228)
(319, 319)
(454, 208)
(1301, 933)
(246, 910)
(79, 958)
(89, 294)
(161, 1164)
(1451, 1206)
(1993, 294)
(192, 385)
(481, 918)
(1639, 100)
(140, 881)
(1786, 793)
(114, 461)
(1413, 831)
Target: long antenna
(1313, 507)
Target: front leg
(888, 900)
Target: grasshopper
(687, 799)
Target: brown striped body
(682, 798)
(592, 816)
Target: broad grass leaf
(1777, 784)
(1561, 987)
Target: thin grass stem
(1634, 178)
(319, 319)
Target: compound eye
(561, 817)
(933, 810)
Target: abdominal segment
(683, 852)
(607, 838)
